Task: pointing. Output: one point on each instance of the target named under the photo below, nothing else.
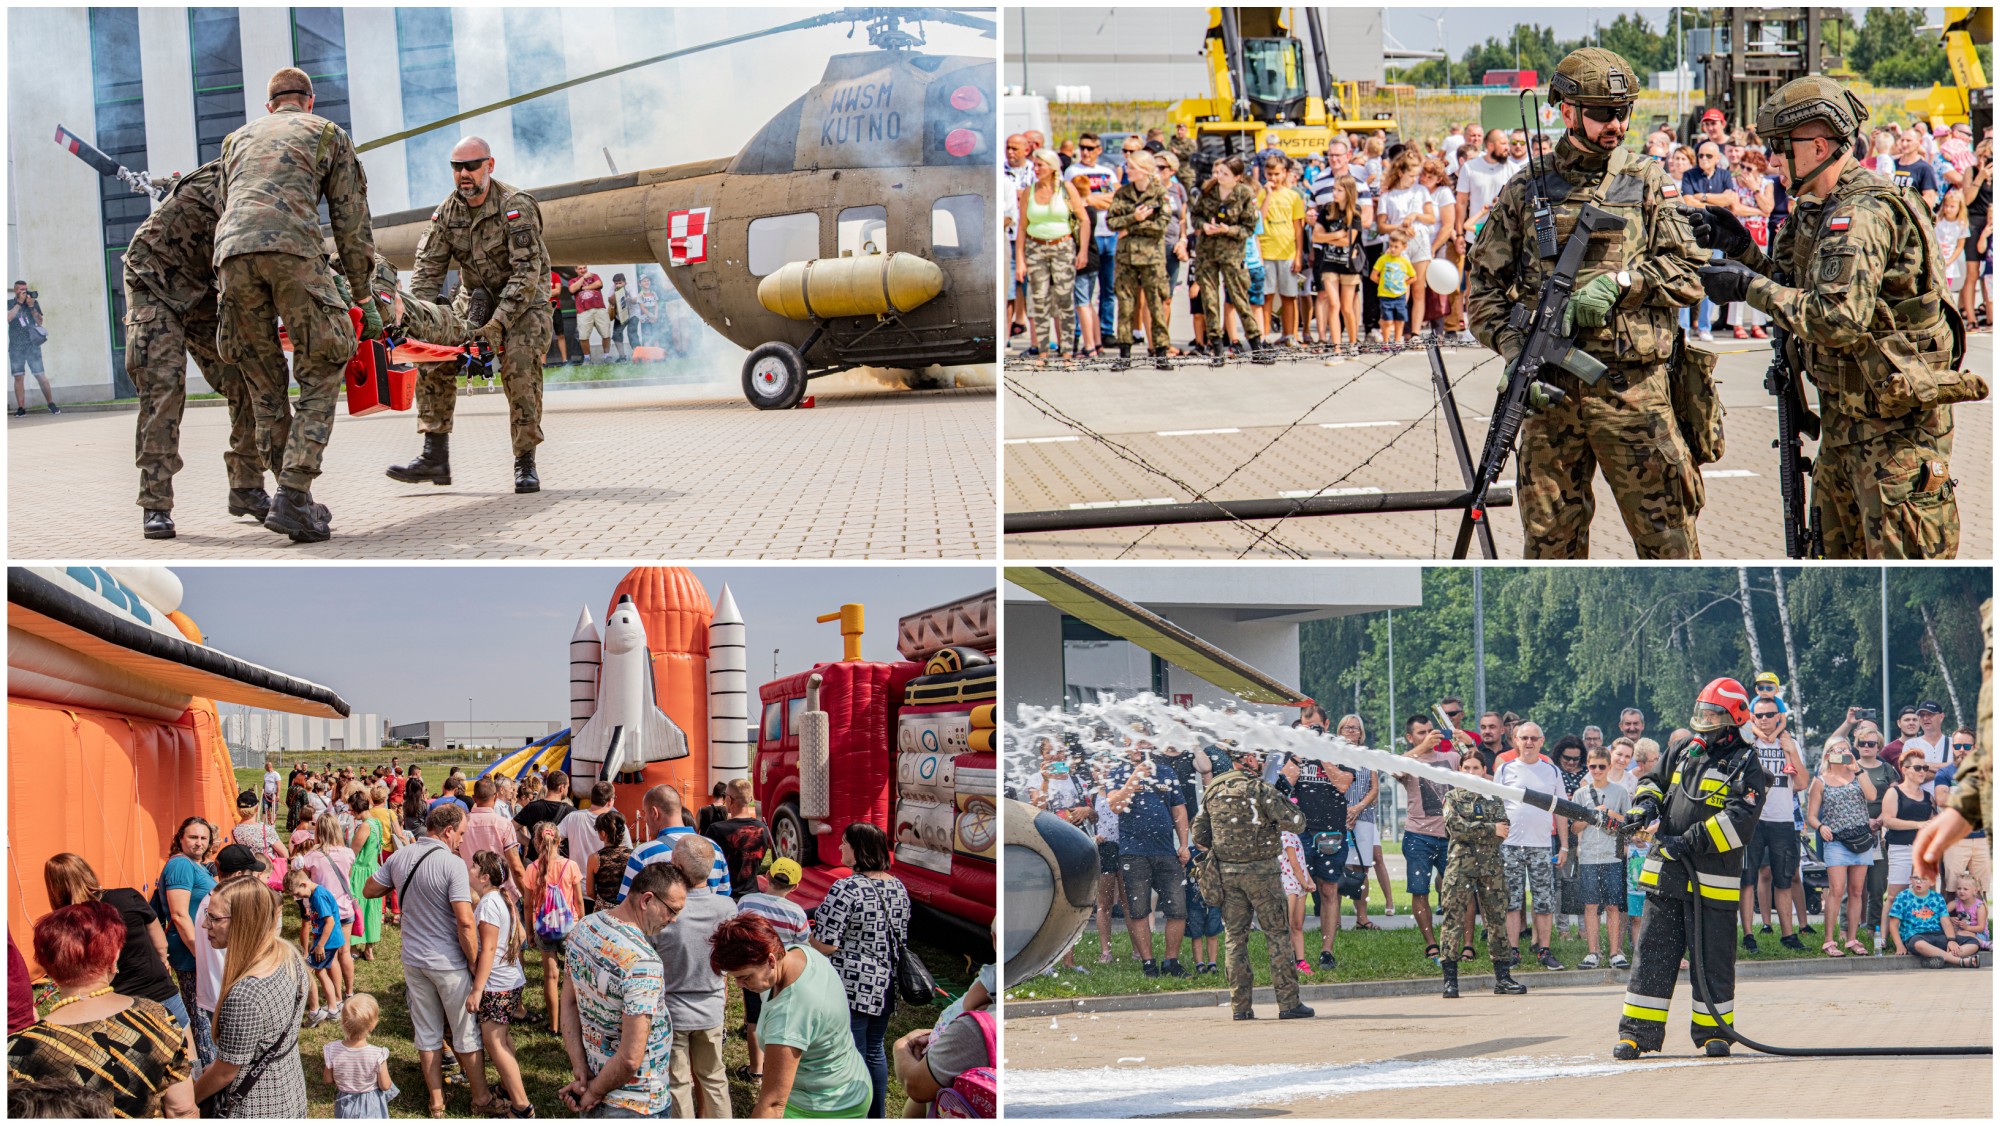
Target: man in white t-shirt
(271, 784)
(1095, 181)
(1525, 853)
(1771, 862)
(1930, 737)
(1517, 151)
(1480, 179)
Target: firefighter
(1706, 793)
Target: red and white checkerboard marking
(687, 237)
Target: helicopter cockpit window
(863, 230)
(958, 226)
(776, 240)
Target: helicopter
(853, 229)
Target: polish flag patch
(514, 214)
(687, 237)
(1670, 190)
(1837, 224)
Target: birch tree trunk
(1930, 641)
(1793, 691)
(1749, 618)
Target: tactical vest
(1241, 827)
(1910, 363)
(1631, 337)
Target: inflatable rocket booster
(728, 694)
(619, 727)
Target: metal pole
(1021, 14)
(1886, 713)
(1390, 729)
(468, 722)
(1478, 645)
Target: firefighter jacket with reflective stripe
(1710, 797)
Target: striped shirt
(660, 850)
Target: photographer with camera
(25, 336)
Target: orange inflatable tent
(112, 733)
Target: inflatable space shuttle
(616, 725)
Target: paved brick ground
(1545, 1055)
(1198, 425)
(626, 473)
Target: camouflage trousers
(257, 291)
(1051, 280)
(1474, 876)
(1867, 499)
(1225, 277)
(1253, 890)
(1136, 282)
(157, 344)
(1631, 435)
(521, 351)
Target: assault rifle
(1544, 347)
(1795, 422)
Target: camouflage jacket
(1237, 214)
(1242, 817)
(1864, 299)
(172, 254)
(1469, 818)
(1184, 149)
(274, 171)
(497, 244)
(1656, 247)
(1141, 242)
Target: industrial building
(458, 734)
(1253, 613)
(1155, 54)
(252, 733)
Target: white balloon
(1442, 277)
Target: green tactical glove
(371, 320)
(1590, 306)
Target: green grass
(544, 1063)
(1381, 955)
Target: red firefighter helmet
(1722, 704)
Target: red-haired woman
(811, 1065)
(129, 1048)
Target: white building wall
(267, 48)
(167, 68)
(55, 228)
(372, 70)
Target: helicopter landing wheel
(774, 376)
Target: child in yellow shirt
(1392, 276)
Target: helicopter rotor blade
(845, 15)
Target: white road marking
(1355, 491)
(1355, 425)
(1122, 503)
(1712, 474)
(1191, 433)
(1038, 441)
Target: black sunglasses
(1599, 766)
(1603, 114)
(469, 165)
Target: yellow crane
(1968, 98)
(1257, 85)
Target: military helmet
(1593, 76)
(1812, 98)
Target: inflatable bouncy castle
(112, 734)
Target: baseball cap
(246, 799)
(1931, 706)
(1711, 114)
(235, 858)
(1767, 678)
(1907, 710)
(785, 872)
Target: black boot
(1625, 1050)
(1260, 353)
(293, 513)
(525, 478)
(1503, 979)
(1218, 352)
(1160, 361)
(1300, 1011)
(1715, 1048)
(159, 524)
(250, 502)
(1124, 360)
(433, 465)
(1450, 979)
(479, 307)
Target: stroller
(1812, 872)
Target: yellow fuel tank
(867, 285)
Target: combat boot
(294, 514)
(250, 502)
(1260, 352)
(1503, 979)
(479, 307)
(159, 524)
(1625, 1050)
(433, 465)
(1218, 352)
(1451, 980)
(525, 478)
(1124, 360)
(1160, 361)
(1297, 1012)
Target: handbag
(914, 983)
(1858, 839)
(223, 1103)
(37, 335)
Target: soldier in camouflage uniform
(1476, 825)
(493, 232)
(1139, 214)
(170, 312)
(1225, 212)
(1183, 147)
(268, 258)
(1239, 824)
(1632, 282)
(1863, 292)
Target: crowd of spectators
(199, 992)
(1346, 237)
(1837, 823)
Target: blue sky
(411, 643)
